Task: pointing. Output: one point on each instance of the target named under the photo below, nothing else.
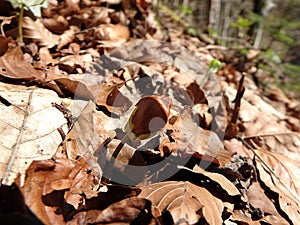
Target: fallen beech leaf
(283, 180)
(258, 199)
(186, 202)
(123, 212)
(72, 63)
(240, 217)
(13, 65)
(129, 166)
(285, 143)
(56, 23)
(190, 138)
(227, 185)
(278, 174)
(114, 32)
(110, 97)
(4, 44)
(37, 31)
(89, 132)
(67, 37)
(28, 131)
(54, 188)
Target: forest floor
(111, 117)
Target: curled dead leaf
(13, 65)
(67, 37)
(124, 212)
(39, 33)
(114, 32)
(149, 116)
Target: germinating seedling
(33, 5)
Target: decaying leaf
(110, 97)
(227, 185)
(67, 37)
(65, 191)
(88, 135)
(186, 202)
(285, 143)
(124, 165)
(30, 128)
(282, 180)
(4, 42)
(258, 199)
(13, 65)
(114, 32)
(278, 175)
(124, 212)
(37, 31)
(190, 138)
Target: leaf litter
(223, 154)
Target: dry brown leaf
(240, 217)
(284, 180)
(114, 32)
(57, 23)
(227, 185)
(73, 83)
(110, 97)
(28, 130)
(13, 65)
(190, 138)
(258, 199)
(46, 57)
(37, 32)
(186, 202)
(67, 37)
(124, 212)
(63, 180)
(4, 43)
(266, 126)
(128, 166)
(65, 191)
(71, 63)
(89, 132)
(285, 143)
(278, 173)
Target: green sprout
(214, 66)
(33, 5)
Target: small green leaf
(215, 65)
(192, 31)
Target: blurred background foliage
(272, 26)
